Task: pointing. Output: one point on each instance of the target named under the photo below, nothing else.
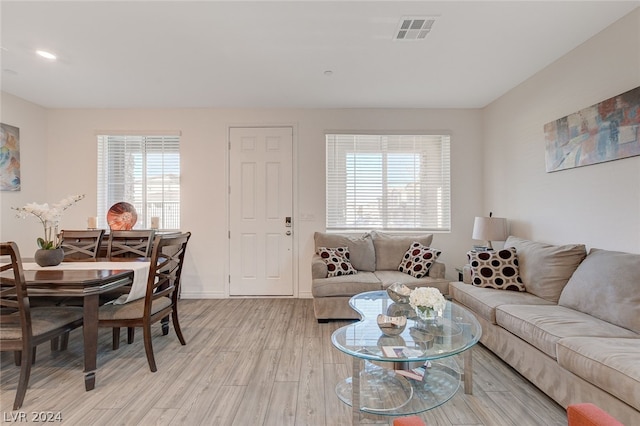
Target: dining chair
(22, 327)
(78, 245)
(81, 244)
(161, 298)
(127, 244)
(131, 243)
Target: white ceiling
(142, 54)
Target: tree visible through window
(388, 182)
(143, 171)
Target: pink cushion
(408, 421)
(589, 415)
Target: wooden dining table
(86, 285)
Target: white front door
(261, 210)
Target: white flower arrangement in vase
(49, 216)
(428, 302)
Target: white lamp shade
(490, 229)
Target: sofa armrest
(437, 270)
(318, 267)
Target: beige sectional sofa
(376, 256)
(575, 331)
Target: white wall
(31, 120)
(71, 145)
(598, 205)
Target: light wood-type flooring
(247, 362)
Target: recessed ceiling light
(46, 55)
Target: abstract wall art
(606, 131)
(9, 158)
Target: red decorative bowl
(122, 216)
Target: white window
(143, 171)
(388, 182)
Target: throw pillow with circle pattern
(418, 259)
(495, 269)
(337, 260)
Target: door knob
(288, 233)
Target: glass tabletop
(455, 331)
(429, 345)
(385, 392)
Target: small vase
(426, 314)
(49, 257)
(427, 318)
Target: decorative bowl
(400, 310)
(122, 216)
(399, 293)
(391, 326)
(385, 340)
(422, 338)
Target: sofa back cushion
(390, 249)
(606, 285)
(544, 268)
(361, 251)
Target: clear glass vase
(426, 318)
(425, 313)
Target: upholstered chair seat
(132, 310)
(43, 320)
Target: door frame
(294, 200)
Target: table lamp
(490, 229)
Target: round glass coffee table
(410, 372)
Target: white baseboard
(220, 295)
(201, 295)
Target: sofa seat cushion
(345, 285)
(545, 268)
(543, 325)
(389, 277)
(483, 301)
(612, 364)
(607, 286)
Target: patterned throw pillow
(495, 269)
(337, 260)
(418, 259)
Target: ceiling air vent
(414, 27)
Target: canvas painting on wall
(606, 131)
(9, 158)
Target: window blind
(143, 171)
(388, 182)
